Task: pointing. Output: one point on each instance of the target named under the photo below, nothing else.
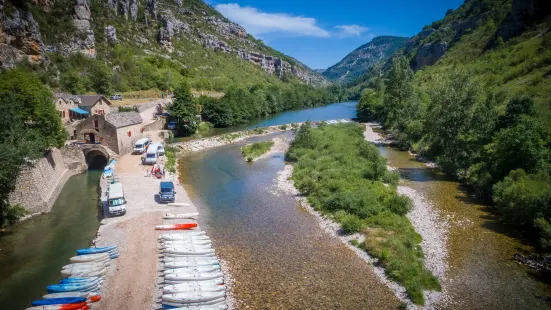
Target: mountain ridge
(362, 58)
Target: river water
(281, 260)
(32, 254)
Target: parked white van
(116, 204)
(152, 155)
(141, 146)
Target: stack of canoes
(82, 279)
(191, 272)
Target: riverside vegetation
(344, 176)
(254, 150)
(481, 112)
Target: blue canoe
(71, 287)
(96, 250)
(59, 301)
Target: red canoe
(176, 226)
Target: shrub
(14, 213)
(283, 127)
(254, 150)
(351, 224)
(399, 204)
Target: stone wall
(74, 159)
(155, 125)
(125, 141)
(39, 184)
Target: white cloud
(257, 22)
(351, 30)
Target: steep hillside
(138, 44)
(362, 58)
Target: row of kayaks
(81, 281)
(191, 272)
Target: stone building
(117, 131)
(68, 107)
(96, 104)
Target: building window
(130, 133)
(96, 123)
(100, 112)
(63, 114)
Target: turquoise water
(32, 254)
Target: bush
(283, 127)
(13, 214)
(254, 150)
(351, 224)
(399, 204)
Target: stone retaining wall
(155, 125)
(39, 184)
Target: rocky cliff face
(362, 58)
(21, 37)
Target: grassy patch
(170, 152)
(344, 175)
(252, 151)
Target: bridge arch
(96, 157)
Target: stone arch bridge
(90, 152)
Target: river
(268, 240)
(32, 254)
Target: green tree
(29, 126)
(399, 93)
(183, 110)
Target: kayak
(84, 273)
(89, 258)
(187, 241)
(176, 226)
(78, 306)
(216, 288)
(88, 265)
(58, 301)
(96, 250)
(169, 216)
(194, 286)
(183, 234)
(218, 306)
(70, 294)
(196, 276)
(188, 251)
(78, 280)
(69, 271)
(178, 282)
(183, 270)
(193, 297)
(190, 263)
(71, 287)
(186, 247)
(171, 305)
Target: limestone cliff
(32, 30)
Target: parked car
(166, 192)
(172, 125)
(140, 146)
(116, 97)
(116, 204)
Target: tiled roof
(123, 119)
(88, 101)
(67, 97)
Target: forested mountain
(362, 58)
(119, 45)
(473, 93)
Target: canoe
(106, 263)
(193, 276)
(210, 268)
(78, 280)
(178, 282)
(89, 258)
(87, 251)
(218, 306)
(193, 297)
(58, 301)
(176, 226)
(194, 286)
(85, 273)
(187, 241)
(170, 216)
(59, 307)
(70, 271)
(70, 294)
(170, 305)
(187, 258)
(188, 251)
(187, 247)
(190, 263)
(183, 234)
(72, 287)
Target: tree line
(501, 149)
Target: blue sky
(319, 33)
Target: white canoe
(214, 288)
(184, 233)
(193, 276)
(190, 263)
(87, 265)
(69, 294)
(183, 270)
(194, 286)
(89, 258)
(219, 302)
(193, 297)
(170, 216)
(178, 282)
(188, 251)
(69, 271)
(185, 258)
(219, 306)
(187, 241)
(95, 273)
(187, 247)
